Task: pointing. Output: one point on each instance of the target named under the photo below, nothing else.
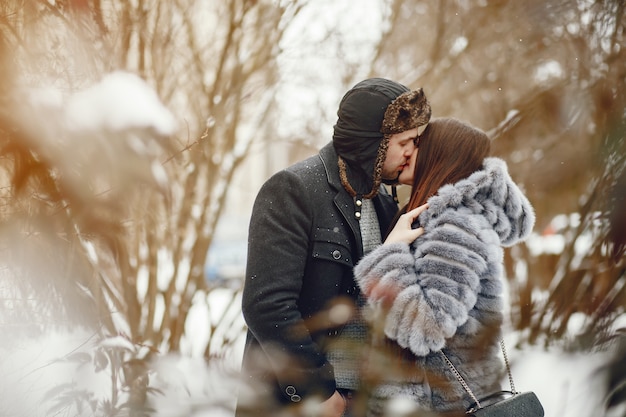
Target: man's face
(406, 176)
(399, 152)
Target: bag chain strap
(508, 367)
(462, 380)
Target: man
(310, 225)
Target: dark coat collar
(343, 201)
(385, 206)
(329, 159)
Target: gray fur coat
(447, 289)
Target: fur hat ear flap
(408, 111)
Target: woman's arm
(427, 294)
(374, 272)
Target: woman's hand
(402, 231)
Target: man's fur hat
(408, 111)
(368, 115)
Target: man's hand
(402, 231)
(333, 407)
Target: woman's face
(406, 176)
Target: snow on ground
(30, 367)
(568, 384)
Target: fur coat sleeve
(427, 290)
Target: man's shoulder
(317, 172)
(311, 163)
(318, 160)
(315, 166)
(300, 174)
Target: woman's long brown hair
(449, 150)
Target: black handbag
(502, 403)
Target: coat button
(336, 254)
(290, 390)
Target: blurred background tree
(547, 80)
(110, 229)
(108, 226)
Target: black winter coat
(303, 243)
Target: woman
(443, 290)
